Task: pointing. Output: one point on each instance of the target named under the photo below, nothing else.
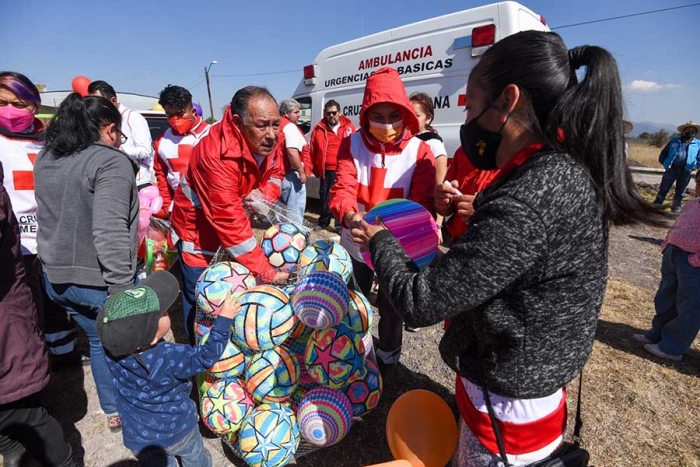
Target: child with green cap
(152, 377)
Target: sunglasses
(332, 114)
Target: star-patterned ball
(282, 244)
(335, 356)
(325, 416)
(364, 393)
(321, 300)
(265, 321)
(359, 315)
(220, 280)
(230, 364)
(326, 256)
(269, 436)
(224, 406)
(272, 375)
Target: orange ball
(80, 85)
(421, 429)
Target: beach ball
(320, 300)
(412, 225)
(225, 405)
(220, 280)
(359, 315)
(326, 256)
(230, 364)
(269, 436)
(265, 321)
(335, 356)
(364, 393)
(325, 416)
(282, 245)
(272, 375)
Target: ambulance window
(305, 117)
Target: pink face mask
(14, 119)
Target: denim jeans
(682, 179)
(294, 196)
(324, 192)
(677, 303)
(83, 303)
(190, 274)
(190, 450)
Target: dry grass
(647, 156)
(638, 409)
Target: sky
(141, 46)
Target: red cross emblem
(179, 164)
(24, 179)
(376, 192)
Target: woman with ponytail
(88, 215)
(524, 286)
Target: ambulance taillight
(484, 35)
(310, 75)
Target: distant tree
(644, 135)
(658, 138)
(210, 120)
(675, 135)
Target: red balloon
(80, 85)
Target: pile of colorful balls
(299, 365)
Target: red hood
(225, 139)
(386, 86)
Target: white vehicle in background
(434, 56)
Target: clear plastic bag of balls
(300, 365)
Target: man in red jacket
(230, 167)
(25, 424)
(325, 142)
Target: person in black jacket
(25, 424)
(524, 286)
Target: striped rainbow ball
(325, 416)
(359, 315)
(413, 227)
(321, 300)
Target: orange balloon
(421, 429)
(80, 85)
(398, 463)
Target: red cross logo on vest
(179, 164)
(24, 179)
(376, 193)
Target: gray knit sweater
(88, 211)
(523, 287)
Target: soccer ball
(335, 356)
(364, 393)
(220, 280)
(272, 375)
(225, 405)
(269, 436)
(326, 256)
(282, 244)
(265, 321)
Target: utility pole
(206, 75)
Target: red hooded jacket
(320, 153)
(304, 154)
(370, 172)
(208, 206)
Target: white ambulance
(434, 56)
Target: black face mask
(688, 135)
(480, 145)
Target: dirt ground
(637, 409)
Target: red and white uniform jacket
(17, 157)
(173, 152)
(208, 206)
(304, 152)
(370, 172)
(325, 144)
